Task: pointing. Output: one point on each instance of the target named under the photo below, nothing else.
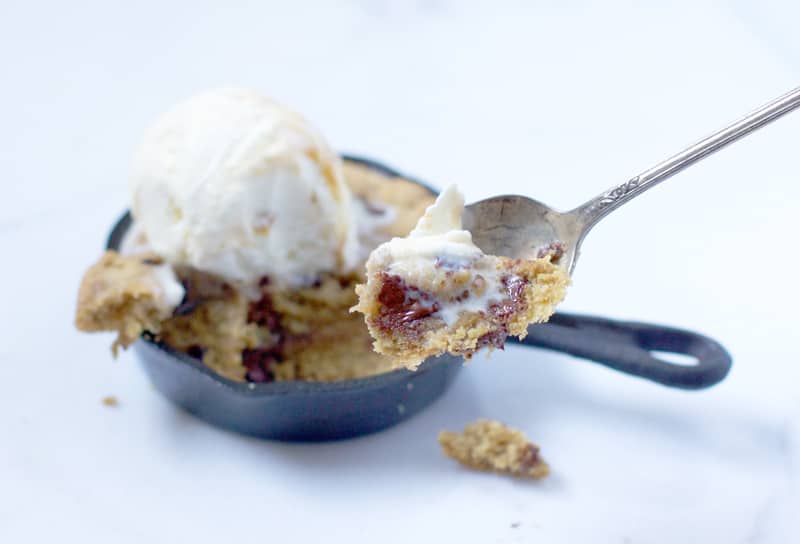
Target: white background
(557, 100)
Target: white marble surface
(554, 99)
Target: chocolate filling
(496, 338)
(263, 314)
(259, 361)
(503, 311)
(515, 287)
(403, 305)
(554, 249)
(152, 261)
(530, 458)
(195, 351)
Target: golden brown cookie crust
(493, 447)
(318, 339)
(121, 293)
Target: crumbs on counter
(110, 401)
(491, 446)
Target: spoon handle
(597, 208)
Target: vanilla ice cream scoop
(230, 182)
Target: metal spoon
(518, 226)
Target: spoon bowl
(521, 227)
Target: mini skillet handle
(626, 346)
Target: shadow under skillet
(531, 391)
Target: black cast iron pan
(314, 411)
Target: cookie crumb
(110, 400)
(493, 447)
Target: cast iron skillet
(313, 411)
